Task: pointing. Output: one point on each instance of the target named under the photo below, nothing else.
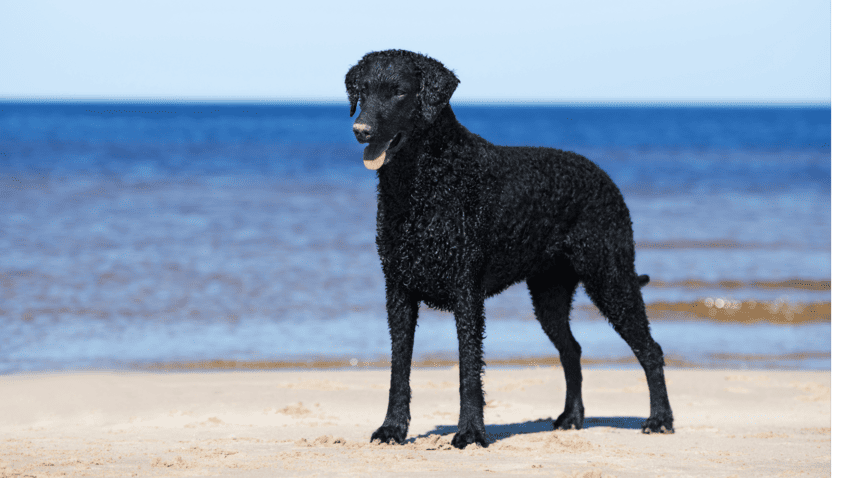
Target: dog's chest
(424, 245)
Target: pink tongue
(376, 163)
(375, 154)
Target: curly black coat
(460, 220)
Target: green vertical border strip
(840, 110)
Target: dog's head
(398, 91)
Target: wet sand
(302, 422)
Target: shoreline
(672, 362)
(717, 361)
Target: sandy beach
(318, 423)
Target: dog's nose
(363, 132)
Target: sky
(719, 51)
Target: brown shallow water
(746, 312)
(804, 284)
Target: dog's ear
(437, 84)
(351, 87)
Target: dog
(460, 219)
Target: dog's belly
(518, 249)
(436, 273)
(435, 262)
(507, 266)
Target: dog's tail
(643, 279)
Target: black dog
(460, 220)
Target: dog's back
(524, 206)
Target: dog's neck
(433, 139)
(445, 122)
(430, 143)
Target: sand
(318, 423)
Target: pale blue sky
(633, 51)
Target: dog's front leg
(469, 317)
(403, 311)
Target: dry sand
(318, 423)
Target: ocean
(172, 236)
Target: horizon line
(598, 102)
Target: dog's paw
(569, 420)
(656, 424)
(468, 437)
(389, 434)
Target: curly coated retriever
(460, 220)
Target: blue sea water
(145, 233)
(650, 149)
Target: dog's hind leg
(403, 312)
(614, 287)
(552, 295)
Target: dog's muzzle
(375, 154)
